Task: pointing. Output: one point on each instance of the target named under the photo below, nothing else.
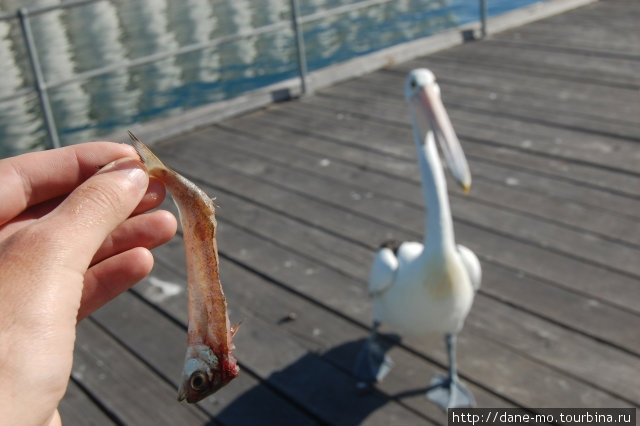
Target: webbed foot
(372, 364)
(449, 393)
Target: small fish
(209, 364)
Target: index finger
(32, 178)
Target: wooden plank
(472, 209)
(292, 363)
(124, 384)
(476, 118)
(321, 328)
(505, 159)
(333, 220)
(541, 298)
(575, 98)
(563, 306)
(573, 35)
(605, 104)
(577, 276)
(614, 71)
(544, 45)
(568, 196)
(586, 314)
(165, 352)
(161, 342)
(534, 96)
(625, 186)
(78, 409)
(484, 90)
(529, 107)
(369, 133)
(317, 243)
(538, 261)
(588, 27)
(252, 260)
(558, 347)
(323, 286)
(486, 166)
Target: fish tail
(148, 158)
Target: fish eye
(198, 381)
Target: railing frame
(297, 21)
(483, 18)
(300, 49)
(41, 84)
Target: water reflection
(277, 47)
(113, 99)
(145, 27)
(235, 61)
(18, 121)
(94, 35)
(70, 107)
(196, 22)
(321, 37)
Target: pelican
(423, 288)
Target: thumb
(95, 208)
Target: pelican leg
(449, 392)
(372, 364)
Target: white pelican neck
(439, 236)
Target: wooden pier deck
(548, 115)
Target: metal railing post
(41, 87)
(302, 56)
(483, 18)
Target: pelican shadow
(316, 388)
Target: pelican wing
(472, 265)
(383, 271)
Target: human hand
(71, 239)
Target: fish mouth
(182, 394)
(192, 396)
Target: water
(79, 39)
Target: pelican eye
(198, 381)
(413, 83)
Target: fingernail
(132, 168)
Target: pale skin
(73, 235)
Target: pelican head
(430, 117)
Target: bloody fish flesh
(209, 364)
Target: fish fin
(235, 327)
(148, 158)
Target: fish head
(205, 372)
